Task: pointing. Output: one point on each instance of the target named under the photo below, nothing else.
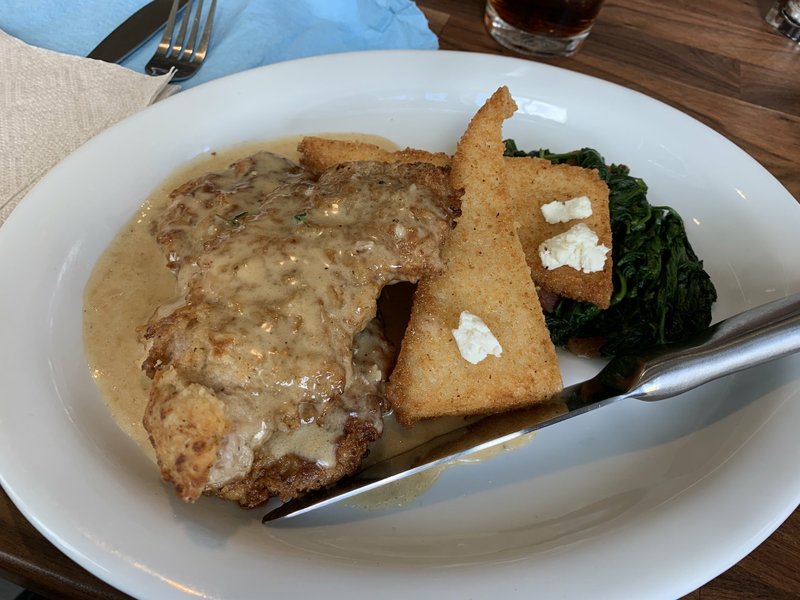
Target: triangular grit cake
(486, 275)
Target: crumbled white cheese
(474, 339)
(577, 248)
(561, 212)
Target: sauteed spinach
(661, 292)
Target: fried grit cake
(485, 274)
(318, 154)
(533, 182)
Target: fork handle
(750, 338)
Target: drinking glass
(784, 16)
(541, 27)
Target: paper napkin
(51, 103)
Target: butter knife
(134, 31)
(756, 336)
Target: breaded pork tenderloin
(268, 375)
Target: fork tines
(178, 52)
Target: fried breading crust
(533, 182)
(485, 274)
(320, 154)
(262, 350)
(188, 427)
(292, 475)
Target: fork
(182, 54)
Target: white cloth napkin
(51, 103)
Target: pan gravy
(130, 280)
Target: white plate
(634, 501)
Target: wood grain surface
(716, 60)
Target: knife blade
(753, 337)
(135, 31)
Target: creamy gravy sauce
(130, 280)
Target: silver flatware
(183, 51)
(135, 31)
(745, 340)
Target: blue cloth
(246, 33)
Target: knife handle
(745, 340)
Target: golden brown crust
(187, 423)
(291, 475)
(533, 182)
(224, 400)
(486, 275)
(319, 154)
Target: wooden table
(715, 60)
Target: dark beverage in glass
(541, 27)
